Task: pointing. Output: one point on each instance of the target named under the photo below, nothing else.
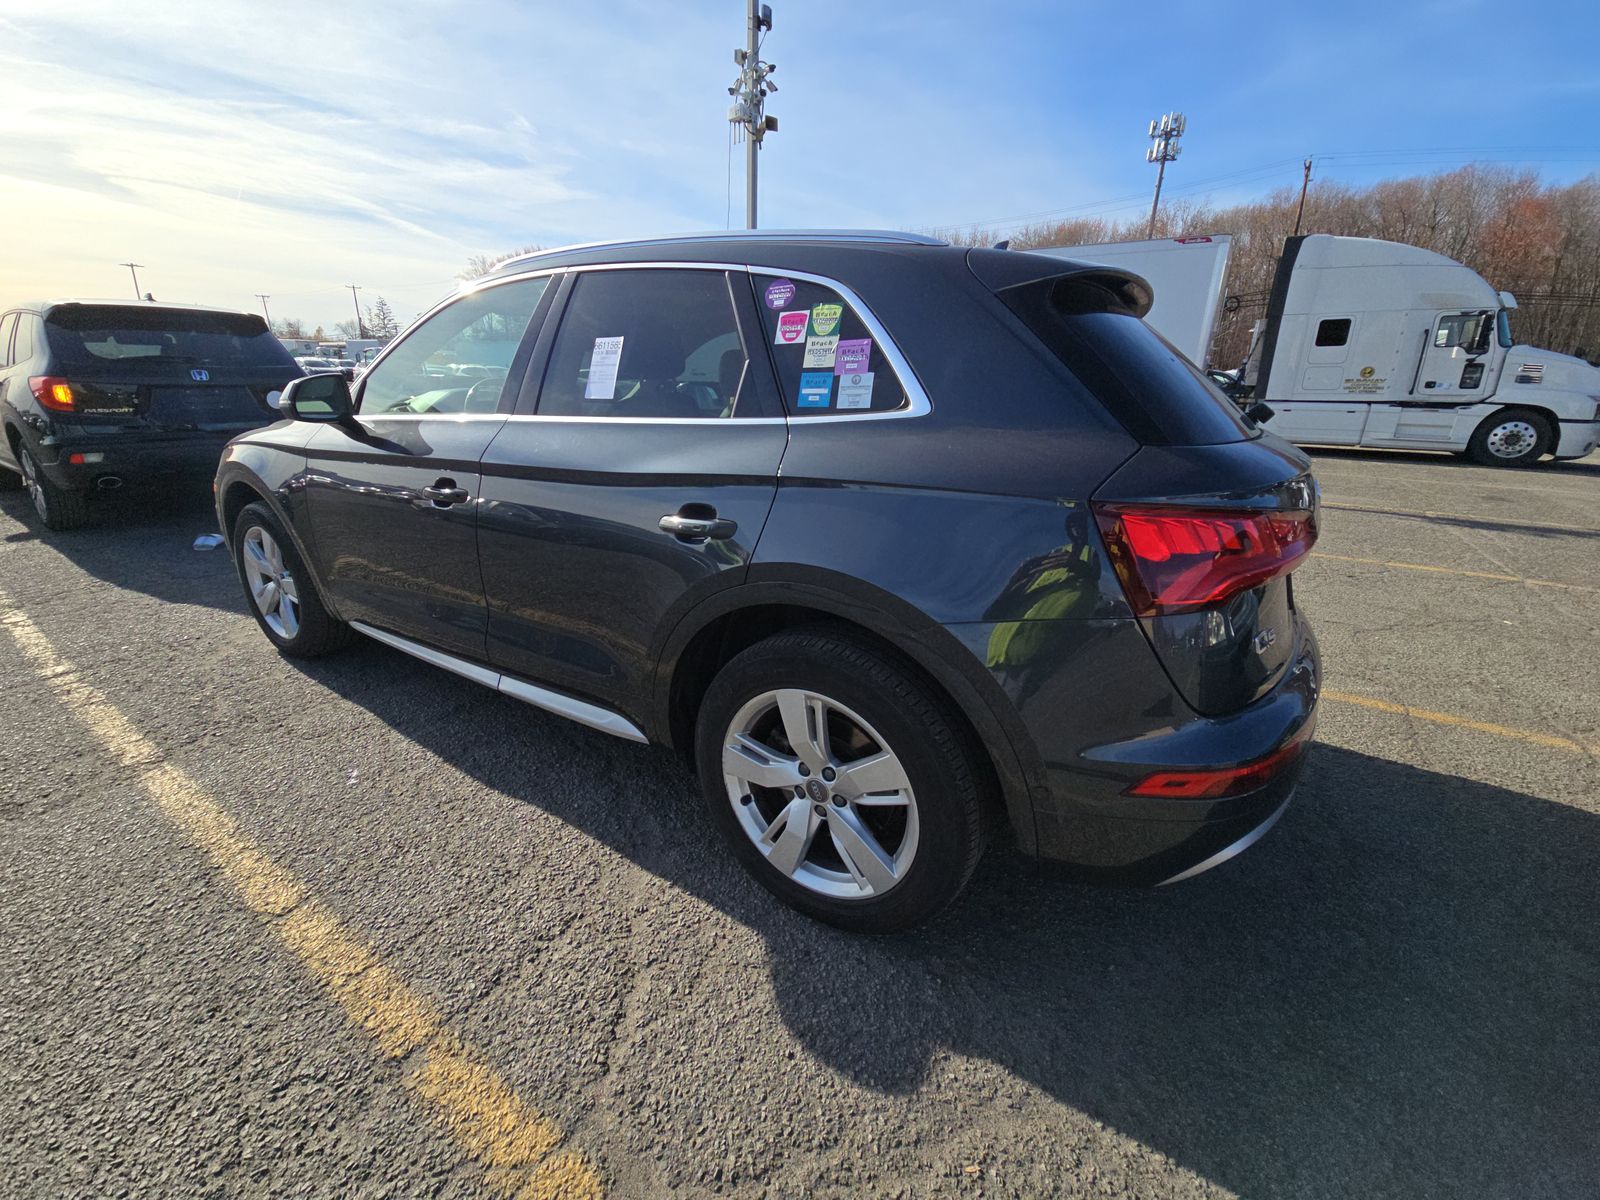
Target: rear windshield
(88, 335)
(1156, 393)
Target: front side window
(1457, 329)
(828, 360)
(660, 344)
(458, 359)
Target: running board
(580, 711)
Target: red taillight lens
(1229, 781)
(53, 392)
(1177, 559)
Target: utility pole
(133, 269)
(1305, 182)
(1165, 134)
(361, 330)
(264, 298)
(748, 111)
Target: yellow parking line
(1439, 718)
(516, 1146)
(1405, 566)
(1452, 516)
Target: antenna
(1164, 132)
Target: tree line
(1540, 242)
(378, 322)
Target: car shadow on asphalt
(142, 541)
(1393, 994)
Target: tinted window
(28, 340)
(101, 335)
(661, 344)
(1333, 332)
(7, 324)
(1152, 389)
(827, 358)
(458, 359)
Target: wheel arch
(733, 619)
(238, 486)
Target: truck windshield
(1502, 326)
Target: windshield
(1502, 327)
(85, 335)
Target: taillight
(1216, 784)
(53, 392)
(1173, 559)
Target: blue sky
(236, 148)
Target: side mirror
(324, 398)
(1260, 412)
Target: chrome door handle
(445, 493)
(688, 528)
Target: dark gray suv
(899, 542)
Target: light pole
(749, 92)
(133, 269)
(1305, 182)
(264, 298)
(361, 331)
(1165, 134)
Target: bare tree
(479, 265)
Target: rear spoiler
(1076, 287)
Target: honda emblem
(200, 376)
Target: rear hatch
(1210, 516)
(165, 370)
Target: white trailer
(1187, 275)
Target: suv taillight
(53, 393)
(1173, 559)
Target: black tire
(316, 631)
(58, 508)
(913, 721)
(1508, 430)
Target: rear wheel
(841, 781)
(57, 507)
(1514, 437)
(282, 596)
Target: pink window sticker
(791, 328)
(779, 293)
(853, 357)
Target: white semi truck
(1374, 343)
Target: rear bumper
(1091, 825)
(132, 460)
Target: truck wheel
(1513, 437)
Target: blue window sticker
(816, 389)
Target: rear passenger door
(633, 479)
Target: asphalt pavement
(361, 928)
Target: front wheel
(282, 595)
(842, 781)
(1513, 437)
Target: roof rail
(881, 236)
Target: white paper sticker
(603, 364)
(820, 352)
(855, 391)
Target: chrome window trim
(877, 237)
(918, 404)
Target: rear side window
(1153, 390)
(7, 324)
(661, 345)
(82, 335)
(827, 359)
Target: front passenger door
(394, 495)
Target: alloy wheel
(820, 793)
(272, 586)
(1513, 439)
(31, 481)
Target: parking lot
(359, 927)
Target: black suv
(896, 540)
(95, 394)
